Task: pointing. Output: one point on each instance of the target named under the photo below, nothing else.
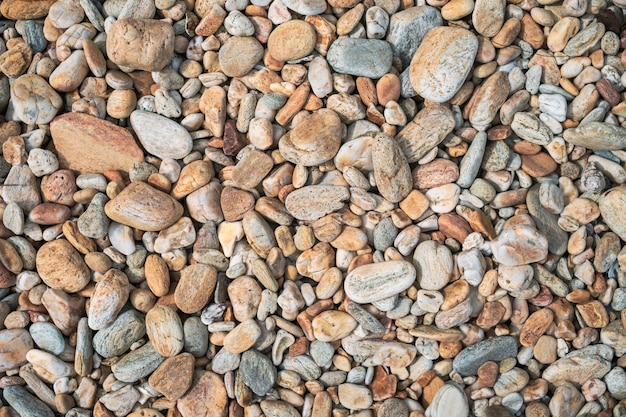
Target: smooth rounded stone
(277, 408)
(488, 17)
(118, 337)
(242, 337)
(144, 207)
(224, 362)
(207, 397)
(291, 40)
(239, 55)
(140, 44)
(70, 73)
(566, 401)
(25, 9)
(61, 267)
(42, 162)
(196, 337)
(493, 349)
(111, 146)
(48, 337)
(360, 57)
(245, 296)
(332, 325)
(355, 397)
(393, 407)
(377, 281)
(49, 367)
(496, 157)
(302, 365)
(449, 397)
(165, 330)
(442, 62)
(179, 235)
(487, 100)
(385, 234)
(109, 296)
(614, 336)
(34, 101)
(322, 353)
(470, 164)
(315, 201)
(616, 383)
(14, 345)
(427, 130)
(83, 357)
(314, 140)
(546, 221)
(257, 372)
(24, 403)
(391, 169)
(137, 364)
(579, 366)
(365, 319)
(434, 265)
(170, 140)
(306, 7)
(529, 127)
(611, 205)
(195, 287)
(174, 376)
(121, 238)
(407, 29)
(597, 136)
(511, 381)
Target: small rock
(360, 57)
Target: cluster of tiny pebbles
(313, 208)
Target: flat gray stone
(117, 338)
(257, 371)
(360, 57)
(495, 349)
(26, 404)
(546, 222)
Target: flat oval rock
(110, 146)
(597, 136)
(170, 140)
(611, 206)
(315, 201)
(144, 207)
(442, 62)
(494, 349)
(117, 338)
(360, 57)
(374, 282)
(173, 377)
(61, 267)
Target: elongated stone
(137, 364)
(597, 136)
(374, 282)
(494, 349)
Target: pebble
(15, 344)
(174, 376)
(315, 201)
(444, 50)
(149, 49)
(300, 146)
(392, 171)
(354, 397)
(47, 337)
(580, 366)
(257, 372)
(494, 349)
(408, 28)
(24, 403)
(112, 147)
(169, 141)
(291, 40)
(61, 267)
(374, 282)
(144, 207)
(449, 397)
(207, 397)
(239, 55)
(360, 57)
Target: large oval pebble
(315, 201)
(374, 282)
(442, 62)
(170, 140)
(144, 207)
(61, 267)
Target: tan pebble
(333, 325)
(174, 376)
(61, 266)
(535, 326)
(195, 287)
(165, 329)
(242, 337)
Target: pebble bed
(312, 208)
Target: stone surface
(360, 57)
(111, 147)
(495, 349)
(170, 140)
(374, 282)
(442, 61)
